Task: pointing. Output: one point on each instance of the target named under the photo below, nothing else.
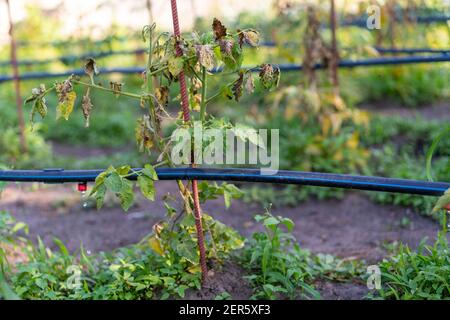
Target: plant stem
(123, 93)
(15, 67)
(204, 101)
(218, 93)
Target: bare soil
(437, 111)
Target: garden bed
(351, 228)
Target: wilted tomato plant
(214, 54)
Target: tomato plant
(199, 57)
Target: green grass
(417, 275)
(279, 268)
(412, 86)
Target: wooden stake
(15, 69)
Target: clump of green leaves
(115, 180)
(278, 267)
(175, 240)
(421, 274)
(444, 200)
(8, 239)
(162, 265)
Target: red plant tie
(186, 118)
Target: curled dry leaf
(269, 76)
(205, 56)
(87, 106)
(226, 46)
(116, 87)
(219, 29)
(249, 37)
(162, 95)
(237, 87)
(144, 133)
(35, 93)
(249, 83)
(39, 105)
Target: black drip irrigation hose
(244, 175)
(67, 59)
(283, 67)
(362, 21)
(271, 44)
(412, 50)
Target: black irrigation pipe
(244, 175)
(283, 67)
(379, 49)
(362, 21)
(67, 59)
(412, 50)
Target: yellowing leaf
(194, 269)
(338, 156)
(162, 95)
(65, 107)
(175, 65)
(313, 150)
(338, 102)
(155, 244)
(353, 141)
(443, 201)
(326, 125)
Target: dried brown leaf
(237, 87)
(205, 56)
(90, 67)
(219, 29)
(87, 106)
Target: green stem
(218, 93)
(123, 93)
(204, 101)
(149, 64)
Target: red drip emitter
(82, 186)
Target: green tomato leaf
(147, 187)
(114, 182)
(126, 195)
(150, 172)
(175, 65)
(188, 250)
(443, 201)
(100, 193)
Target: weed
(278, 267)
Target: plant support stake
(16, 79)
(186, 118)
